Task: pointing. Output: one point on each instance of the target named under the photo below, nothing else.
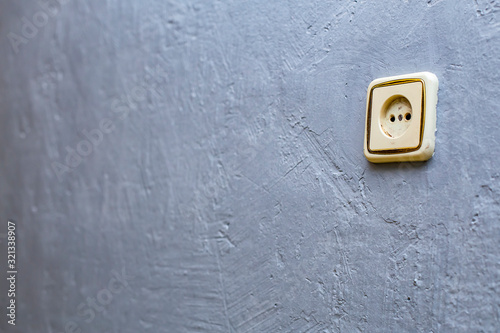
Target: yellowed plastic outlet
(401, 118)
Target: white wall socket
(401, 118)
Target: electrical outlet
(401, 118)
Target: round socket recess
(395, 117)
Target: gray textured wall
(228, 187)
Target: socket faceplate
(401, 118)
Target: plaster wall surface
(228, 187)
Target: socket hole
(394, 120)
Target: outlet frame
(394, 150)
